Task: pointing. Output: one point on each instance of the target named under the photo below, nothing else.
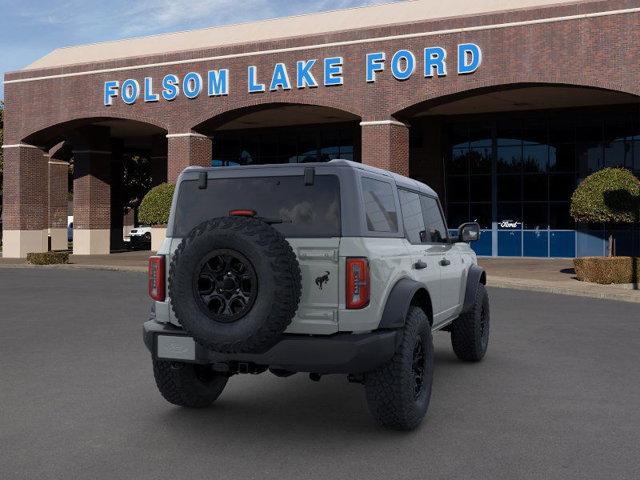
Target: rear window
(305, 210)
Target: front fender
(475, 277)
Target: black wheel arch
(404, 294)
(475, 277)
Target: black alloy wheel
(225, 285)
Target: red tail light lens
(156, 278)
(358, 286)
(242, 213)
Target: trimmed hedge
(48, 258)
(607, 270)
(156, 205)
(611, 195)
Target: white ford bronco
(322, 268)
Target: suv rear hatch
(305, 210)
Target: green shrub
(611, 195)
(48, 258)
(156, 204)
(607, 270)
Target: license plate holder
(175, 347)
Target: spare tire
(235, 284)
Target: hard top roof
(400, 180)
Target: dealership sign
(308, 73)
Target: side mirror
(469, 232)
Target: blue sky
(30, 29)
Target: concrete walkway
(551, 276)
(539, 275)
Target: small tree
(611, 195)
(156, 205)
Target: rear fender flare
(400, 299)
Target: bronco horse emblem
(322, 279)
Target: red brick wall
(25, 189)
(92, 190)
(185, 151)
(600, 52)
(386, 146)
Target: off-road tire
(277, 275)
(188, 385)
(390, 389)
(470, 331)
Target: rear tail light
(156, 278)
(242, 213)
(358, 286)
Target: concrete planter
(158, 234)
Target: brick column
(91, 191)
(25, 210)
(187, 149)
(158, 160)
(385, 144)
(58, 191)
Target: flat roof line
(334, 44)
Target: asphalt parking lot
(558, 396)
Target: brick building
(500, 105)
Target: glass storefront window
(458, 188)
(535, 216)
(509, 187)
(510, 159)
(537, 159)
(562, 157)
(618, 154)
(480, 188)
(535, 187)
(481, 213)
(480, 159)
(459, 161)
(287, 145)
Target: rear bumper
(339, 353)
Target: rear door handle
(420, 265)
(444, 262)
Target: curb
(74, 266)
(622, 296)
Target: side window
(380, 206)
(412, 216)
(435, 226)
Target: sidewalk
(538, 275)
(551, 276)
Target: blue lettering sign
(469, 58)
(375, 63)
(149, 96)
(218, 82)
(130, 91)
(170, 87)
(304, 77)
(333, 71)
(254, 87)
(280, 78)
(110, 92)
(192, 85)
(434, 58)
(403, 64)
